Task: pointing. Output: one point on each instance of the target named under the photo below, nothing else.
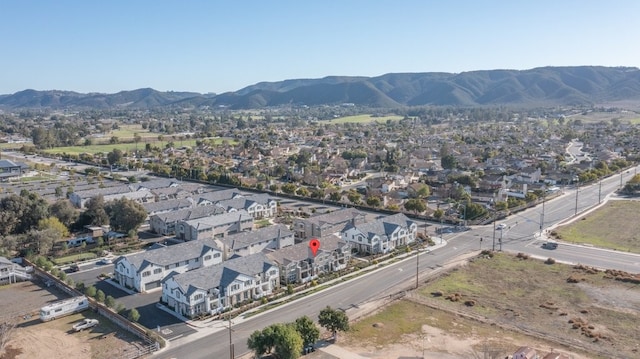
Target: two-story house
(246, 243)
(258, 206)
(145, 271)
(297, 264)
(218, 226)
(381, 235)
(165, 223)
(323, 224)
(209, 290)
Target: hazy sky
(218, 46)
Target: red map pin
(314, 244)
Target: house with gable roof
(145, 271)
(218, 226)
(381, 235)
(209, 290)
(324, 224)
(246, 243)
(165, 223)
(258, 206)
(298, 265)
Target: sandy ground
(51, 344)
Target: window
(197, 297)
(217, 255)
(146, 273)
(272, 272)
(157, 271)
(167, 267)
(207, 257)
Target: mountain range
(544, 86)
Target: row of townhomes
(208, 290)
(224, 261)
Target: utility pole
(231, 348)
(544, 196)
(600, 191)
(417, 266)
(494, 232)
(501, 231)
(577, 191)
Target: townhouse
(258, 206)
(165, 223)
(218, 226)
(323, 224)
(246, 243)
(381, 235)
(297, 264)
(210, 290)
(145, 271)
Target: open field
(127, 147)
(55, 339)
(365, 119)
(502, 302)
(615, 225)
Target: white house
(382, 235)
(209, 290)
(145, 271)
(246, 243)
(258, 206)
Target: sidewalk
(210, 326)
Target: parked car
(85, 324)
(501, 226)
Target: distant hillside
(545, 86)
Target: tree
(333, 320)
(109, 301)
(288, 188)
(65, 212)
(133, 315)
(95, 213)
(100, 296)
(90, 291)
(55, 225)
(283, 340)
(125, 214)
(353, 196)
(374, 201)
(423, 191)
(43, 239)
(307, 330)
(416, 205)
(115, 156)
(335, 196)
(6, 330)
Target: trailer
(63, 307)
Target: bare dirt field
(496, 304)
(55, 339)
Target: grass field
(106, 148)
(365, 119)
(506, 293)
(613, 226)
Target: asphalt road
(520, 235)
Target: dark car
(550, 245)
(74, 268)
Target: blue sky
(219, 46)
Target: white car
(501, 226)
(85, 324)
(106, 261)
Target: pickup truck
(85, 324)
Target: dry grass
(614, 226)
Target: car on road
(501, 226)
(106, 261)
(550, 245)
(74, 268)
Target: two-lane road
(518, 236)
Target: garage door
(152, 285)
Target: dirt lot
(55, 339)
(498, 304)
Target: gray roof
(171, 254)
(244, 239)
(4, 260)
(172, 204)
(103, 191)
(217, 196)
(221, 275)
(7, 163)
(220, 219)
(244, 202)
(300, 251)
(190, 213)
(156, 184)
(383, 226)
(337, 217)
